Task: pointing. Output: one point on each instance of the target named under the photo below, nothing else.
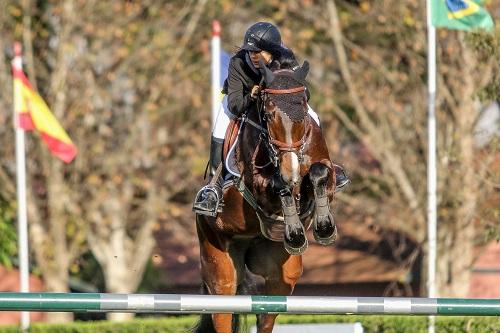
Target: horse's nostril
(290, 168)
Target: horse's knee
(318, 173)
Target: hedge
(371, 324)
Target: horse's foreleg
(217, 269)
(280, 270)
(295, 241)
(283, 285)
(324, 229)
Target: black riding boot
(208, 198)
(341, 179)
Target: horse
(287, 183)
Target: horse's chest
(241, 222)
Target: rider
(262, 42)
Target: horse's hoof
(295, 241)
(296, 251)
(325, 230)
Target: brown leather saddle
(230, 137)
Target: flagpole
(215, 70)
(431, 164)
(22, 219)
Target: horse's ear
(266, 72)
(301, 73)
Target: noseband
(279, 147)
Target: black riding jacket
(239, 83)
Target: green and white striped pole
(181, 303)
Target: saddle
(231, 136)
(228, 151)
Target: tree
(123, 187)
(56, 231)
(8, 236)
(397, 142)
(118, 79)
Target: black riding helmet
(262, 36)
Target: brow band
(284, 91)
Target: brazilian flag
(460, 14)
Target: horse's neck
(253, 127)
(250, 141)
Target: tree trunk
(57, 281)
(458, 232)
(50, 243)
(455, 260)
(123, 259)
(117, 281)
(123, 271)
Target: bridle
(277, 147)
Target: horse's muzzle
(290, 168)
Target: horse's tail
(206, 325)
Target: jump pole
(183, 303)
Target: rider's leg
(341, 179)
(222, 121)
(209, 197)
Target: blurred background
(130, 83)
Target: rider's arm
(238, 96)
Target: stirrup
(340, 187)
(199, 196)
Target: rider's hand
(255, 92)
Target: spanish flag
(33, 113)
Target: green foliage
(486, 45)
(492, 229)
(487, 48)
(88, 270)
(10, 329)
(154, 279)
(8, 235)
(371, 324)
(491, 91)
(170, 325)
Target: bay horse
(287, 183)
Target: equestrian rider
(241, 89)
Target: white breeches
(224, 116)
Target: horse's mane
(289, 104)
(285, 59)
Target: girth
(272, 226)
